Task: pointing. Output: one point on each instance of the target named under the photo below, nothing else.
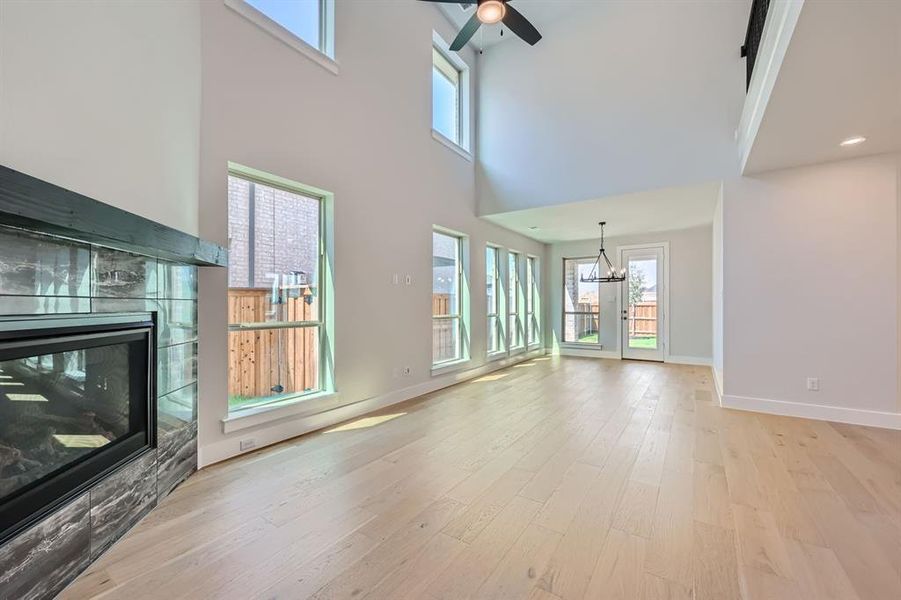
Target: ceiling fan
(490, 12)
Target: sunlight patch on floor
(491, 377)
(365, 422)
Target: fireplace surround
(77, 400)
(68, 261)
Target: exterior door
(642, 303)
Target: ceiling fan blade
(520, 25)
(467, 32)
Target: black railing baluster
(756, 21)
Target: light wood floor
(557, 478)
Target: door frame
(665, 329)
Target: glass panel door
(642, 304)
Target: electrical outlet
(395, 279)
(408, 279)
(407, 371)
(813, 384)
(248, 444)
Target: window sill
(451, 145)
(500, 354)
(448, 367)
(283, 35)
(293, 407)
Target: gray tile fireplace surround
(41, 274)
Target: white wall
(103, 97)
(690, 310)
(364, 135)
(718, 293)
(620, 96)
(811, 289)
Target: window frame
(323, 55)
(533, 303)
(324, 321)
(514, 302)
(565, 313)
(460, 352)
(462, 146)
(498, 314)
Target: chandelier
(611, 275)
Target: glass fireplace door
(74, 403)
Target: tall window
(492, 291)
(275, 308)
(447, 305)
(445, 97)
(532, 302)
(581, 305)
(514, 304)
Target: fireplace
(77, 400)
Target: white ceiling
(841, 77)
(628, 214)
(538, 12)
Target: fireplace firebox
(77, 400)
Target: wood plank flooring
(558, 478)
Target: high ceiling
(642, 212)
(539, 12)
(841, 77)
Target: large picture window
(514, 302)
(533, 309)
(581, 306)
(447, 300)
(275, 307)
(493, 293)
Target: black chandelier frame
(611, 275)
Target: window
(581, 306)
(533, 309)
(306, 25)
(514, 306)
(492, 291)
(447, 300)
(450, 98)
(445, 97)
(275, 294)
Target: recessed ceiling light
(853, 141)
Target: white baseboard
(288, 428)
(718, 384)
(853, 416)
(588, 353)
(699, 361)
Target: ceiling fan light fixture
(491, 11)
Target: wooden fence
(643, 319)
(260, 360)
(444, 340)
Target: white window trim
(464, 304)
(520, 300)
(574, 345)
(499, 314)
(324, 57)
(464, 147)
(305, 401)
(536, 301)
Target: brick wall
(286, 234)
